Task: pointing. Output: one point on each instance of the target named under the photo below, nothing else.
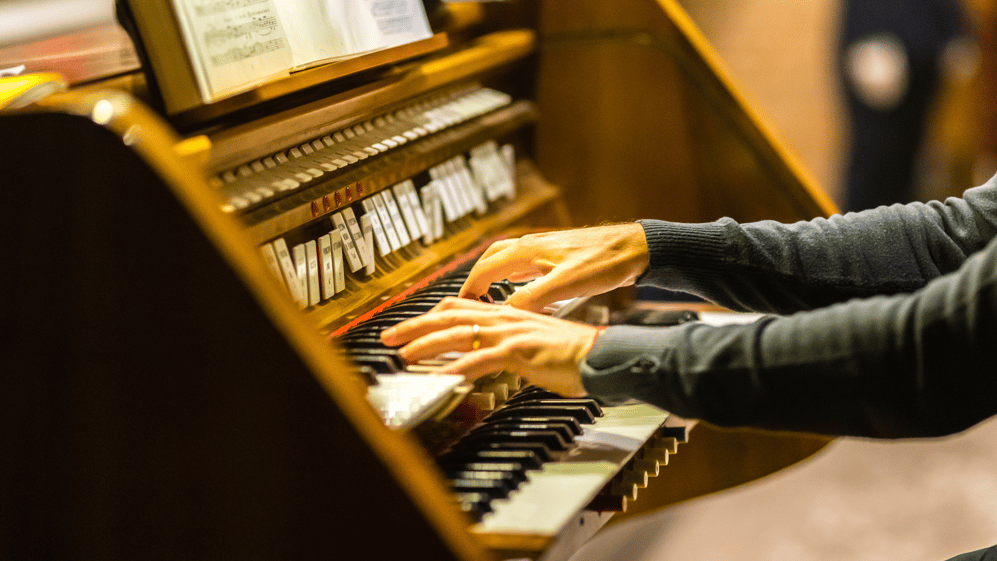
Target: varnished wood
(717, 459)
(158, 30)
(199, 414)
(162, 396)
(239, 142)
(666, 135)
(640, 122)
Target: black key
(579, 412)
(357, 354)
(368, 375)
(413, 306)
(379, 364)
(506, 286)
(498, 294)
(533, 395)
(569, 423)
(530, 390)
(394, 317)
(451, 287)
(510, 424)
(528, 458)
(549, 438)
(421, 299)
(495, 489)
(590, 404)
(365, 331)
(372, 323)
(538, 448)
(475, 504)
(364, 342)
(510, 480)
(474, 510)
(514, 470)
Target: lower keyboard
(553, 495)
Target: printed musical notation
(236, 44)
(376, 24)
(237, 54)
(394, 17)
(213, 7)
(261, 27)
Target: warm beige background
(780, 54)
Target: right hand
(543, 349)
(564, 264)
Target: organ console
(196, 287)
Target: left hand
(544, 350)
(562, 264)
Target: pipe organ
(196, 288)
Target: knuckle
(447, 303)
(450, 319)
(509, 314)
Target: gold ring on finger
(476, 341)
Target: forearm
(783, 268)
(907, 365)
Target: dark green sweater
(886, 325)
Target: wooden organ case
(166, 395)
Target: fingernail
(388, 335)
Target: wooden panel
(161, 394)
(716, 459)
(639, 121)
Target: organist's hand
(544, 350)
(565, 264)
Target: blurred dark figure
(890, 60)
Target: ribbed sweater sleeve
(782, 268)
(915, 360)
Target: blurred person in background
(893, 57)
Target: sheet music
(233, 42)
(377, 24)
(315, 33)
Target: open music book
(236, 44)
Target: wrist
(587, 348)
(637, 251)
